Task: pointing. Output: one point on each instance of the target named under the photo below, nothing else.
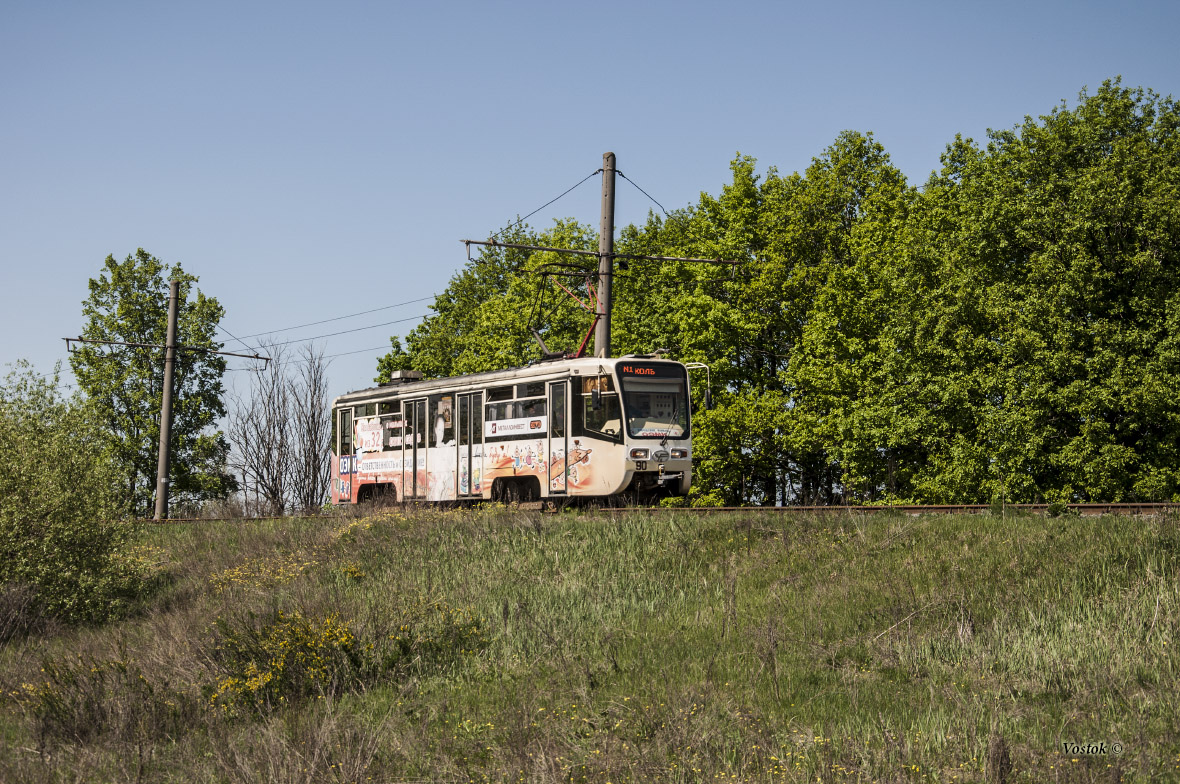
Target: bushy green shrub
(58, 495)
(270, 662)
(276, 659)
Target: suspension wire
(347, 331)
(641, 190)
(302, 360)
(546, 204)
(338, 318)
(235, 337)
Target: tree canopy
(1011, 329)
(128, 302)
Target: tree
(1057, 248)
(128, 302)
(281, 433)
(481, 320)
(1010, 330)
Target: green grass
(508, 645)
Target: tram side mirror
(708, 399)
(595, 399)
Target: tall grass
(498, 644)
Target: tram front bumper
(674, 476)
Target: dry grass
(498, 645)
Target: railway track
(1087, 510)
(919, 509)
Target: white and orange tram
(566, 428)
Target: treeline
(1009, 329)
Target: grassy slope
(507, 645)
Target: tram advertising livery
(585, 427)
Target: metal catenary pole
(166, 404)
(606, 260)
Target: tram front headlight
(639, 454)
(679, 454)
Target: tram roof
(545, 369)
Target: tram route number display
(516, 427)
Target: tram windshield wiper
(671, 424)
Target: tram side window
(367, 410)
(346, 431)
(442, 429)
(604, 420)
(409, 437)
(531, 408)
(499, 393)
(557, 419)
(391, 431)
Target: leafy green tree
(482, 319)
(1011, 329)
(128, 302)
(60, 494)
(1011, 333)
(1061, 244)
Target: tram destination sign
(649, 370)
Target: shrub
(81, 699)
(57, 493)
(269, 662)
(279, 659)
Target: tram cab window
(389, 408)
(655, 398)
(597, 413)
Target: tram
(588, 427)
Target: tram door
(414, 449)
(558, 437)
(470, 441)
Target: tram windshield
(655, 400)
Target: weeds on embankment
(500, 644)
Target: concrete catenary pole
(166, 404)
(606, 261)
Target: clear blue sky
(309, 160)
